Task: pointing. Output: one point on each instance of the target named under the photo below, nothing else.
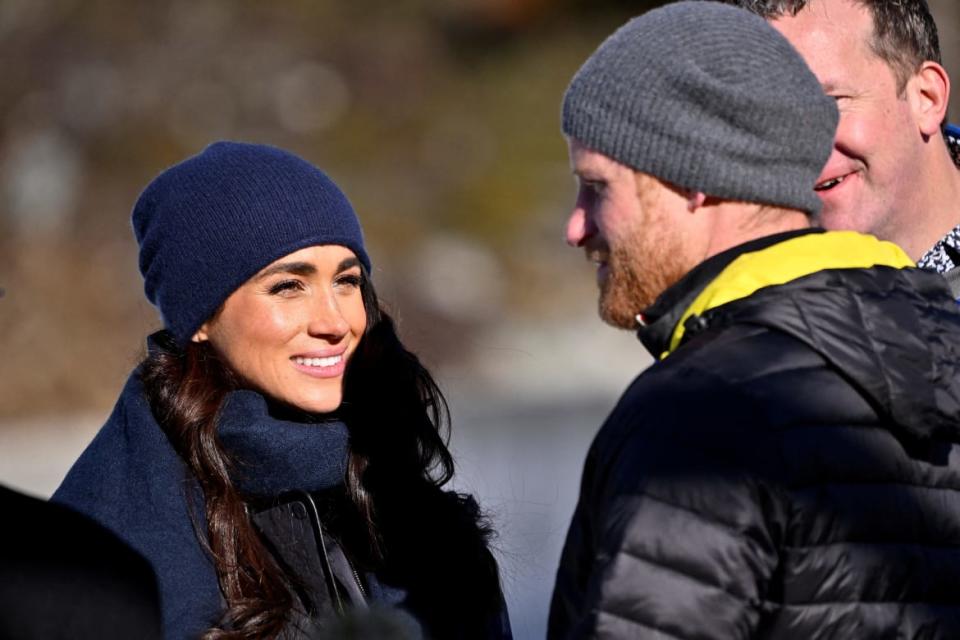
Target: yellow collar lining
(789, 260)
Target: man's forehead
(585, 161)
(834, 37)
(821, 22)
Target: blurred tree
(438, 118)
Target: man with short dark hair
(790, 467)
(893, 169)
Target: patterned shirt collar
(945, 255)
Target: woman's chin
(317, 406)
(300, 408)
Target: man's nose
(577, 227)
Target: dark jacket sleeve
(676, 533)
(575, 560)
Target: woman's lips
(320, 366)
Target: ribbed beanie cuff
(208, 224)
(708, 97)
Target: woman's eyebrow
(296, 268)
(304, 268)
(348, 263)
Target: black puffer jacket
(790, 471)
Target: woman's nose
(326, 320)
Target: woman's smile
(330, 366)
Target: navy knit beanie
(708, 97)
(208, 224)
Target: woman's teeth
(318, 362)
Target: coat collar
(660, 319)
(774, 260)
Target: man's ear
(929, 92)
(202, 334)
(695, 200)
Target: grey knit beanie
(708, 97)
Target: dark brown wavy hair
(399, 425)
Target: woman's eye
(285, 286)
(349, 280)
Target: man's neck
(935, 205)
(736, 223)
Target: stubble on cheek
(638, 277)
(622, 294)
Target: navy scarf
(130, 480)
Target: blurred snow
(35, 454)
(579, 357)
(40, 175)
(458, 277)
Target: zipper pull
(694, 325)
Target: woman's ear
(201, 335)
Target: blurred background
(440, 121)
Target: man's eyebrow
(585, 175)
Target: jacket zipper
(356, 577)
(315, 515)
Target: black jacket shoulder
(791, 471)
(64, 576)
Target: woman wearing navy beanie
(278, 455)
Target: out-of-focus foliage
(439, 119)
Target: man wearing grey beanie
(790, 465)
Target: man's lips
(600, 259)
(833, 182)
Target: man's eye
(591, 187)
